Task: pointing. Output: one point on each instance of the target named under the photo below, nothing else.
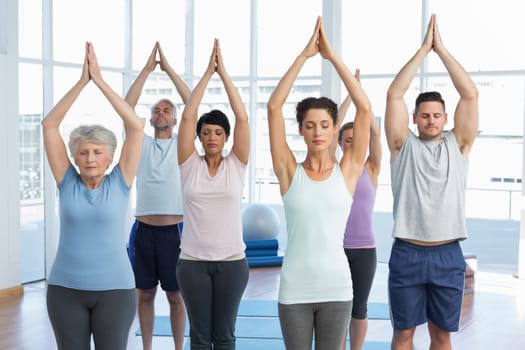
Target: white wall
(10, 263)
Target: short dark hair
(344, 127)
(214, 117)
(430, 96)
(315, 103)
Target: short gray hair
(168, 101)
(94, 134)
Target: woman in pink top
(213, 271)
(359, 239)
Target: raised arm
(188, 121)
(373, 161)
(180, 85)
(53, 143)
(241, 134)
(396, 114)
(466, 116)
(341, 113)
(133, 95)
(132, 146)
(284, 163)
(375, 153)
(354, 157)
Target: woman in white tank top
(315, 292)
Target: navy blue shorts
(156, 254)
(426, 283)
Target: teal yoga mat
(266, 318)
(246, 327)
(253, 333)
(278, 344)
(268, 308)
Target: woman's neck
(318, 163)
(213, 161)
(92, 183)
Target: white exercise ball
(260, 221)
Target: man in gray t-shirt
(426, 267)
(157, 239)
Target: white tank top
(315, 268)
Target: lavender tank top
(359, 232)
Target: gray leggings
(328, 321)
(212, 292)
(76, 314)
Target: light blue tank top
(429, 180)
(158, 178)
(91, 251)
(315, 268)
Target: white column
(330, 81)
(10, 254)
(521, 247)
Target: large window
(260, 39)
(263, 38)
(162, 21)
(98, 21)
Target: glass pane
(284, 33)
(482, 35)
(30, 108)
(98, 21)
(267, 188)
(30, 28)
(31, 176)
(500, 103)
(157, 86)
(162, 21)
(91, 107)
(229, 21)
(380, 41)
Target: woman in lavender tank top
(359, 239)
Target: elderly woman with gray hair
(91, 288)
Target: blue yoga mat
(261, 309)
(262, 243)
(268, 308)
(260, 261)
(253, 333)
(261, 252)
(246, 327)
(278, 344)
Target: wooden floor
(493, 317)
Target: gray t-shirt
(158, 178)
(428, 184)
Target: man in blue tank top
(159, 208)
(429, 173)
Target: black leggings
(76, 314)
(212, 292)
(363, 262)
